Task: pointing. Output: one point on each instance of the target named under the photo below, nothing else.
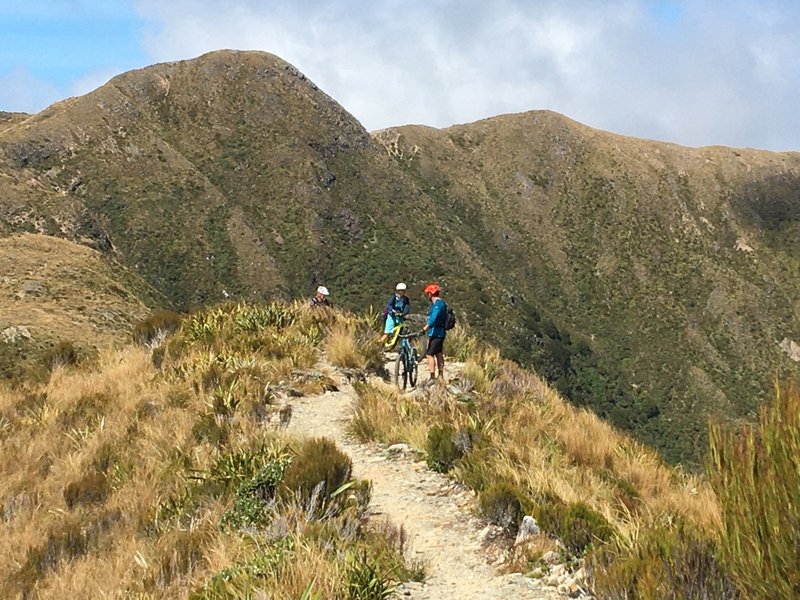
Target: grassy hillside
(653, 283)
(648, 281)
(163, 473)
(228, 175)
(58, 294)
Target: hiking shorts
(435, 346)
(388, 327)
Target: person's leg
(388, 326)
(432, 365)
(435, 356)
(430, 354)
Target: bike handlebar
(411, 335)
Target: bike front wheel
(412, 366)
(400, 373)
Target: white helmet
(323, 290)
(401, 287)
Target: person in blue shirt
(395, 311)
(435, 328)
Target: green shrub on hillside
(582, 526)
(251, 503)
(441, 448)
(576, 524)
(755, 474)
(503, 504)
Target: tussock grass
(129, 477)
(526, 451)
(651, 530)
(754, 472)
(342, 350)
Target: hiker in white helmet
(395, 310)
(321, 298)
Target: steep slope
(53, 290)
(673, 267)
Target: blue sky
(695, 72)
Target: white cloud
(709, 73)
(93, 80)
(21, 91)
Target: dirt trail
(442, 529)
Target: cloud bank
(695, 72)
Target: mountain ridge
(640, 277)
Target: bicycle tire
(397, 366)
(413, 367)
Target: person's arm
(407, 307)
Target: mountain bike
(406, 366)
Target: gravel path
(436, 513)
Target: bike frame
(406, 362)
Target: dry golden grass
(61, 291)
(385, 415)
(342, 351)
(113, 473)
(531, 437)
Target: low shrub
(582, 526)
(61, 355)
(155, 328)
(549, 510)
(576, 524)
(441, 448)
(317, 471)
(503, 504)
(251, 503)
(91, 488)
